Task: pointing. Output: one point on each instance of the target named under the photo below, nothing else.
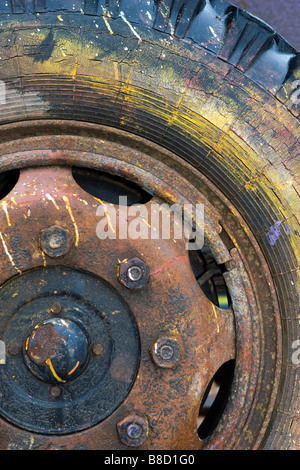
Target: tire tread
(231, 33)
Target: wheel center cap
(76, 350)
(57, 350)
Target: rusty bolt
(13, 349)
(133, 430)
(55, 241)
(56, 308)
(55, 391)
(97, 349)
(133, 273)
(166, 352)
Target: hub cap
(88, 351)
(56, 350)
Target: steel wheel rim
(121, 166)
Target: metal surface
(55, 241)
(219, 89)
(82, 286)
(133, 273)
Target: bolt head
(56, 308)
(13, 349)
(55, 241)
(55, 391)
(133, 273)
(166, 352)
(133, 430)
(97, 349)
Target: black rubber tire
(203, 79)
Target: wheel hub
(81, 350)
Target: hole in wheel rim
(109, 188)
(210, 277)
(215, 399)
(8, 180)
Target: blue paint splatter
(274, 233)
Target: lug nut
(166, 352)
(133, 273)
(55, 241)
(133, 430)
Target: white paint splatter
(130, 25)
(213, 33)
(8, 254)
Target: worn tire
(206, 81)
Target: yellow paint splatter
(146, 222)
(8, 254)
(4, 205)
(115, 311)
(165, 13)
(116, 71)
(106, 214)
(106, 21)
(49, 363)
(66, 200)
(74, 368)
(44, 259)
(216, 317)
(172, 118)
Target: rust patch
(42, 343)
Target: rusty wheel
(117, 335)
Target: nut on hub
(133, 430)
(55, 241)
(133, 273)
(166, 352)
